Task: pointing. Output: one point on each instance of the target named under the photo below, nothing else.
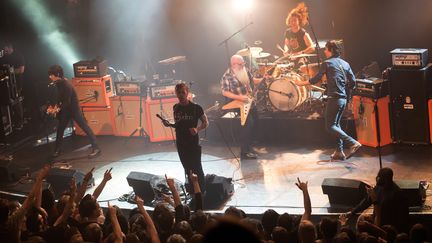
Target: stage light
(244, 5)
(48, 29)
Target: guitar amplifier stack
(410, 81)
(94, 89)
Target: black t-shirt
(296, 40)
(187, 116)
(67, 97)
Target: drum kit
(279, 92)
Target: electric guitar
(53, 110)
(244, 107)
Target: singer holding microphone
(186, 116)
(67, 108)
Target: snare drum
(285, 95)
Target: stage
(268, 182)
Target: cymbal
(173, 60)
(262, 55)
(251, 50)
(302, 55)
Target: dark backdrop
(133, 35)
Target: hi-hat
(173, 60)
(248, 51)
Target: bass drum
(285, 95)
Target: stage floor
(268, 182)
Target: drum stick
(318, 88)
(280, 48)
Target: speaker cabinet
(99, 120)
(5, 122)
(93, 91)
(346, 192)
(156, 130)
(409, 93)
(365, 120)
(125, 111)
(414, 192)
(140, 182)
(60, 179)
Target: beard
(242, 75)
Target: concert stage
(268, 182)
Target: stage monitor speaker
(218, 189)
(156, 130)
(99, 120)
(60, 179)
(140, 182)
(344, 192)
(414, 191)
(94, 91)
(365, 120)
(125, 111)
(409, 93)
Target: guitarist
(237, 84)
(67, 109)
(340, 81)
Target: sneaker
(249, 155)
(338, 155)
(353, 149)
(95, 153)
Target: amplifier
(93, 91)
(409, 57)
(130, 88)
(156, 130)
(371, 87)
(90, 68)
(163, 91)
(125, 111)
(99, 119)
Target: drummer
(297, 40)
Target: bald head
(237, 62)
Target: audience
(77, 218)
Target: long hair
(300, 12)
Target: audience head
(176, 238)
(279, 234)
(89, 207)
(230, 231)
(287, 221)
(402, 238)
(92, 233)
(198, 221)
(328, 227)
(184, 229)
(269, 220)
(306, 232)
(418, 234)
(234, 213)
(384, 177)
(163, 218)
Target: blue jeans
(333, 116)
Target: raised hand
(139, 201)
(112, 210)
(72, 186)
(301, 185)
(43, 172)
(170, 182)
(371, 193)
(107, 175)
(193, 177)
(89, 175)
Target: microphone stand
(225, 42)
(316, 43)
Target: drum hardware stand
(225, 42)
(316, 43)
(140, 129)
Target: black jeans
(76, 115)
(190, 157)
(248, 131)
(333, 116)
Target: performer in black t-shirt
(67, 108)
(297, 40)
(186, 116)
